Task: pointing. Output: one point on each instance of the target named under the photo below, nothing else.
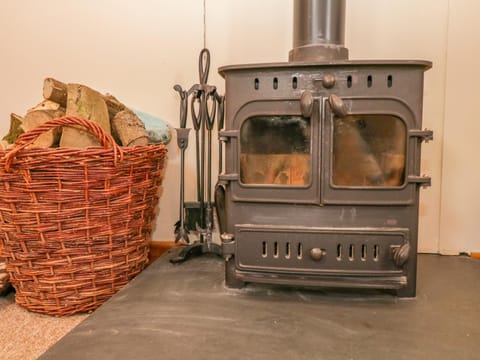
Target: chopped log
(47, 105)
(35, 118)
(114, 106)
(88, 104)
(278, 169)
(15, 128)
(368, 154)
(129, 129)
(56, 91)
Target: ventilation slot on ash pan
(276, 250)
(365, 253)
(264, 249)
(351, 252)
(376, 252)
(299, 251)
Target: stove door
(369, 153)
(274, 155)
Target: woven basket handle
(26, 139)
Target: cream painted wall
(136, 50)
(410, 29)
(460, 207)
(139, 50)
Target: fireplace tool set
(206, 110)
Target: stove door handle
(338, 106)
(306, 103)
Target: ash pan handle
(26, 139)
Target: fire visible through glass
(275, 150)
(369, 150)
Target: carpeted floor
(25, 335)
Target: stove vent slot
(349, 81)
(376, 252)
(369, 81)
(351, 252)
(364, 252)
(351, 255)
(294, 82)
(279, 249)
(299, 251)
(389, 81)
(275, 250)
(264, 249)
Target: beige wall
(138, 50)
(413, 29)
(460, 206)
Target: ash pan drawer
(348, 251)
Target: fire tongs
(198, 216)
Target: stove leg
(231, 280)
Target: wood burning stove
(322, 164)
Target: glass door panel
(369, 151)
(276, 150)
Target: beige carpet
(25, 335)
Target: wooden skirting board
(158, 248)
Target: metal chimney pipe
(318, 31)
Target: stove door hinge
(424, 135)
(423, 181)
(228, 177)
(226, 135)
(228, 245)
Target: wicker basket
(76, 222)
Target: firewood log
(15, 128)
(88, 104)
(56, 91)
(34, 118)
(354, 163)
(47, 105)
(129, 129)
(279, 169)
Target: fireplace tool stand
(198, 216)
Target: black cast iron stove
(322, 164)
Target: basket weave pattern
(76, 222)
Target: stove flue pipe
(318, 31)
